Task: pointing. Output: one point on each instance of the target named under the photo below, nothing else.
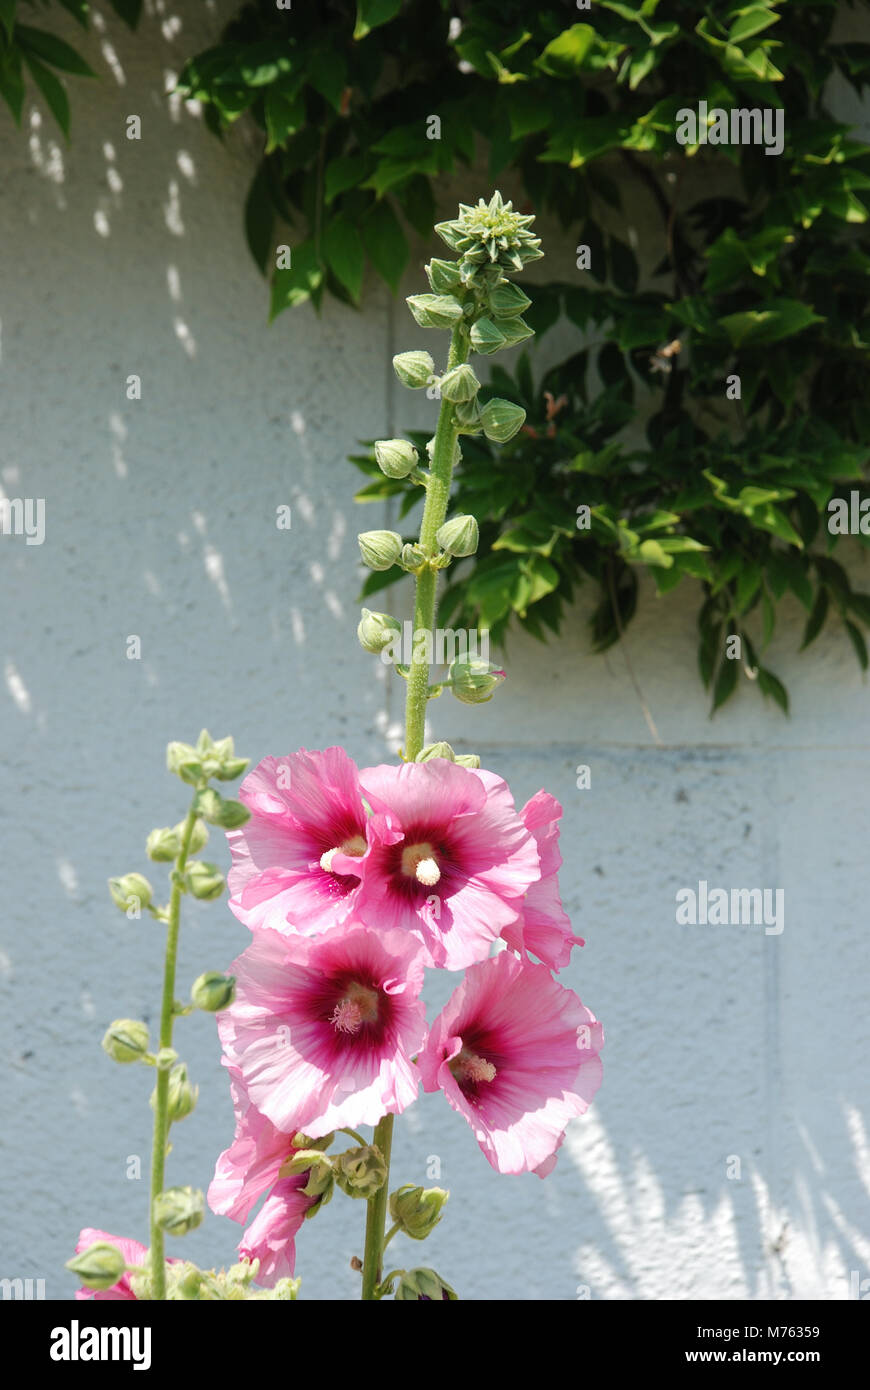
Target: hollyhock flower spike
(297, 862)
(543, 927)
(450, 857)
(516, 1054)
(323, 1029)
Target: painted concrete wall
(722, 1042)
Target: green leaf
(52, 90)
(12, 85)
(259, 218)
(856, 637)
(816, 619)
(343, 173)
(372, 13)
(128, 10)
(285, 114)
(302, 280)
(726, 682)
(748, 580)
(385, 243)
(52, 50)
(344, 253)
(860, 604)
(781, 318)
(751, 21)
(327, 73)
(77, 8)
(7, 15)
(769, 684)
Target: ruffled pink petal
(270, 1238)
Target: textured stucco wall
(128, 258)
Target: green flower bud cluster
(185, 1282)
(208, 758)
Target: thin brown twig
(618, 620)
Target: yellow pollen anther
(469, 1067)
(355, 847)
(418, 861)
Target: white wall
(160, 522)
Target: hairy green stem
(373, 1257)
(434, 513)
(167, 1018)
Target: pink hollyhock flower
(298, 860)
(450, 857)
(270, 1238)
(252, 1164)
(517, 1055)
(133, 1252)
(322, 1029)
(543, 927)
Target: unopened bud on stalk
(413, 558)
(126, 1040)
(179, 1210)
(205, 881)
(443, 276)
(99, 1267)
(425, 1286)
(213, 991)
(485, 337)
(436, 750)
(501, 419)
(417, 1210)
(182, 1095)
(468, 759)
(379, 549)
(130, 886)
(163, 845)
(506, 300)
(473, 680)
(435, 310)
(459, 536)
(396, 457)
(414, 369)
(377, 631)
(460, 384)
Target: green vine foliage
(760, 273)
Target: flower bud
(413, 558)
(204, 881)
(361, 1172)
(304, 1141)
(231, 768)
(514, 331)
(458, 536)
(443, 276)
(99, 1267)
(130, 886)
(414, 369)
(468, 759)
(321, 1181)
(126, 1040)
(213, 991)
(467, 415)
(473, 680)
(435, 750)
(163, 845)
(435, 310)
(182, 1095)
(506, 300)
(457, 452)
(184, 761)
(501, 419)
(460, 384)
(178, 1210)
(217, 810)
(396, 457)
(425, 1286)
(377, 630)
(379, 549)
(485, 337)
(417, 1210)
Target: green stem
(161, 1103)
(434, 513)
(373, 1257)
